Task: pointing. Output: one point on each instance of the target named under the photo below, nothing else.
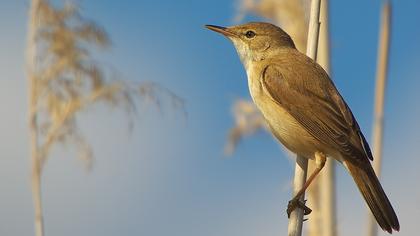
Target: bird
(305, 111)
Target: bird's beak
(223, 30)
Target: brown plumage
(304, 110)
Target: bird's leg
(320, 160)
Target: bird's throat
(244, 53)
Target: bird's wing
(317, 106)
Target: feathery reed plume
(248, 120)
(296, 218)
(64, 79)
(381, 76)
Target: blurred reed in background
(65, 79)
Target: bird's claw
(294, 203)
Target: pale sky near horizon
(169, 176)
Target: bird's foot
(294, 203)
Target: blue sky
(170, 176)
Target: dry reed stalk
(33, 24)
(327, 176)
(313, 194)
(381, 77)
(296, 217)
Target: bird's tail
(374, 195)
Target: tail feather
(374, 195)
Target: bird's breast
(284, 127)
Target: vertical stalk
(321, 194)
(327, 180)
(36, 186)
(381, 76)
(296, 217)
(313, 196)
(33, 24)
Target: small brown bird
(305, 112)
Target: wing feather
(317, 106)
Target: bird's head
(255, 41)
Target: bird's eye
(250, 34)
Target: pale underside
(284, 127)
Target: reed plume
(65, 79)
